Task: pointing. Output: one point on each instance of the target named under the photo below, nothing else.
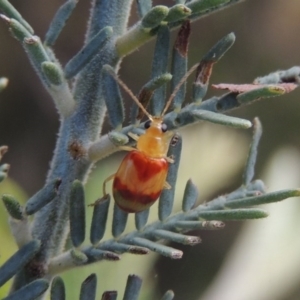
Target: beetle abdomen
(139, 181)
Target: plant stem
(70, 161)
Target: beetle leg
(133, 136)
(104, 190)
(105, 182)
(127, 148)
(167, 186)
(169, 160)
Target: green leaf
(11, 12)
(251, 161)
(18, 260)
(158, 248)
(133, 287)
(261, 92)
(99, 219)
(221, 119)
(58, 22)
(176, 237)
(166, 199)
(155, 16)
(53, 73)
(160, 67)
(13, 207)
(233, 214)
(178, 12)
(112, 96)
(31, 291)
(179, 63)
(43, 197)
(119, 221)
(190, 196)
(77, 213)
(88, 52)
(57, 289)
(263, 199)
(141, 219)
(88, 288)
(198, 6)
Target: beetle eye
(147, 124)
(164, 127)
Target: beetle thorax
(154, 142)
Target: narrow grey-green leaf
(119, 221)
(30, 291)
(263, 199)
(179, 63)
(16, 28)
(291, 75)
(113, 98)
(190, 196)
(202, 5)
(157, 82)
(122, 248)
(99, 220)
(176, 237)
(193, 225)
(178, 12)
(78, 257)
(260, 92)
(53, 73)
(118, 138)
(32, 45)
(17, 261)
(88, 288)
(220, 48)
(133, 287)
(13, 207)
(146, 93)
(233, 214)
(95, 254)
(251, 161)
(218, 118)
(166, 199)
(43, 197)
(159, 67)
(158, 248)
(205, 67)
(77, 213)
(88, 52)
(57, 291)
(11, 12)
(58, 22)
(155, 16)
(143, 6)
(141, 219)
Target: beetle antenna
(127, 90)
(177, 87)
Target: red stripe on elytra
(147, 168)
(133, 196)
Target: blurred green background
(267, 39)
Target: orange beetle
(142, 174)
